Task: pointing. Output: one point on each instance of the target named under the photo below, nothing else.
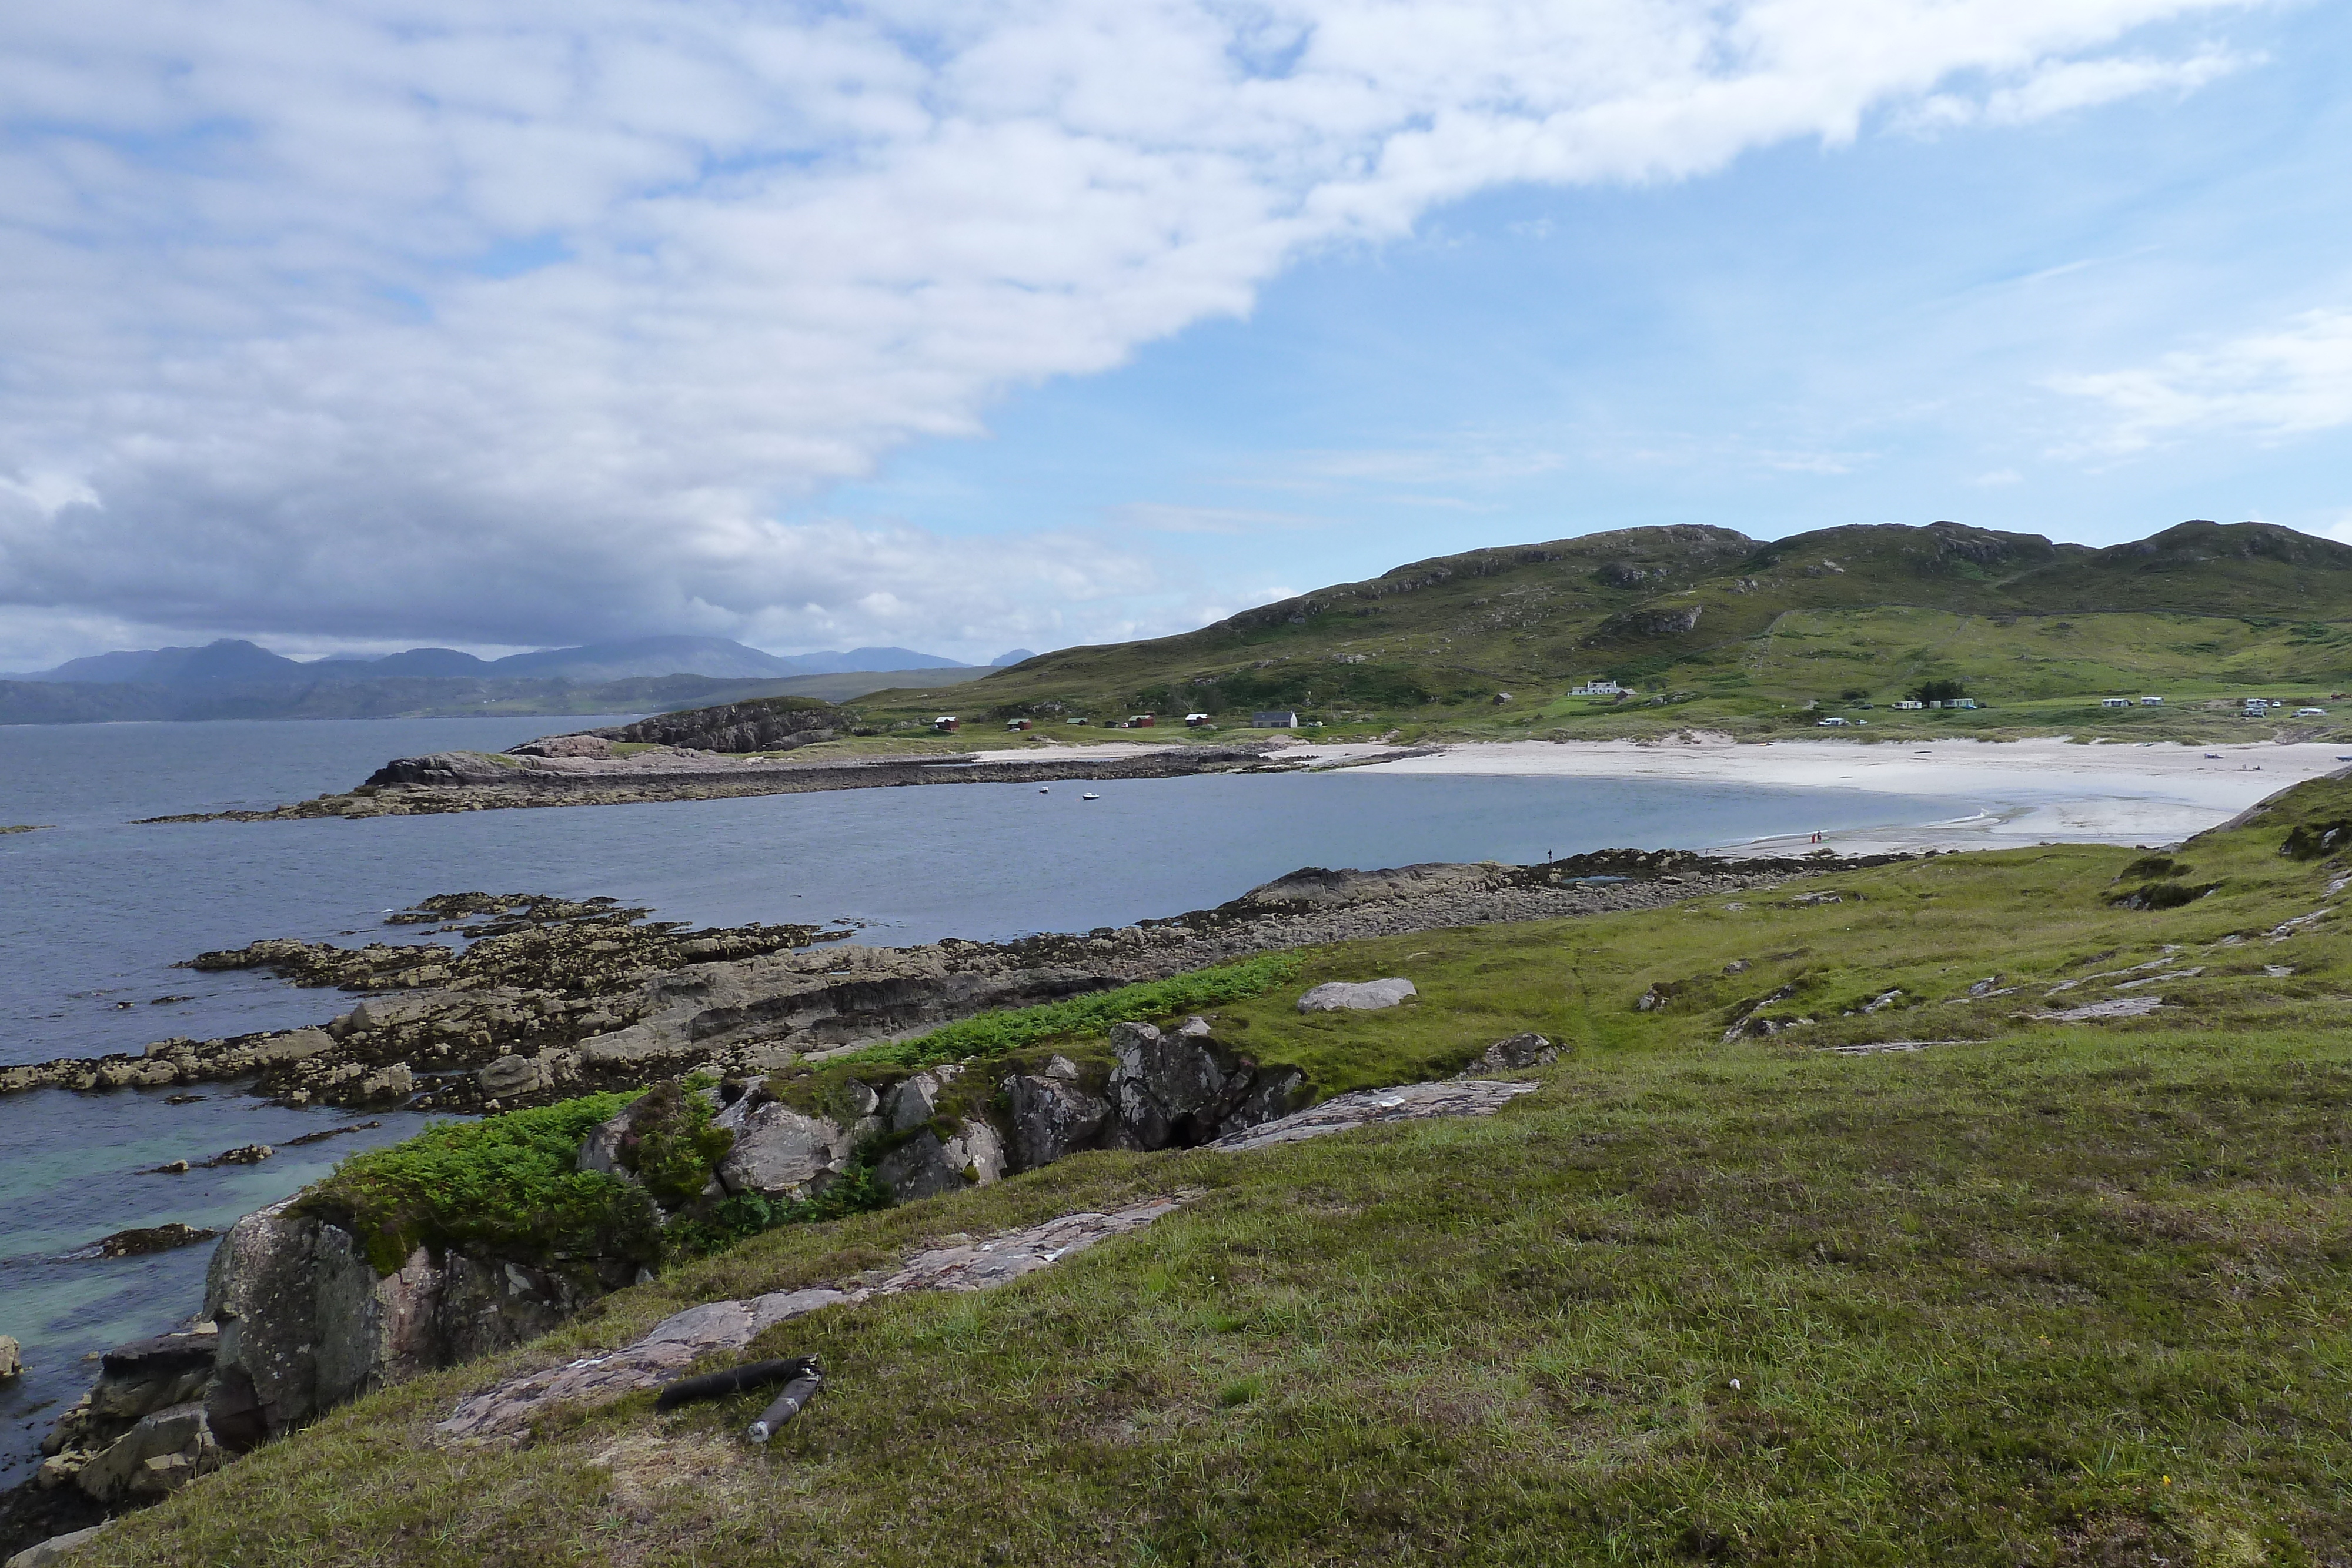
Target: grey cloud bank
(485, 325)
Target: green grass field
(2045, 1293)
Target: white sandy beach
(2008, 792)
(2004, 793)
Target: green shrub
(991, 1033)
(671, 1143)
(502, 1186)
(747, 1214)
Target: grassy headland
(1716, 631)
(2041, 1292)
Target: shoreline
(2019, 792)
(2006, 794)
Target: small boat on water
(1042, 790)
(1091, 795)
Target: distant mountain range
(235, 679)
(232, 662)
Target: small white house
(2151, 702)
(1597, 689)
(2115, 702)
(1832, 722)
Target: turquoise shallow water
(94, 912)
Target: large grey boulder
(305, 1323)
(779, 1153)
(926, 1165)
(12, 1357)
(1052, 1118)
(1171, 1089)
(262, 1288)
(1358, 996)
(914, 1102)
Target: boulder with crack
(927, 1164)
(1052, 1116)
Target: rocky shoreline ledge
(550, 999)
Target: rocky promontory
(588, 770)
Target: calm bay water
(95, 912)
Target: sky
(371, 324)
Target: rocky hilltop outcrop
(769, 724)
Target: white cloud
(2291, 381)
(2060, 86)
(523, 321)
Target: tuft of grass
(995, 1033)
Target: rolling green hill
(1717, 630)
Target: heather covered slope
(1714, 625)
(2065, 1284)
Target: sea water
(95, 913)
